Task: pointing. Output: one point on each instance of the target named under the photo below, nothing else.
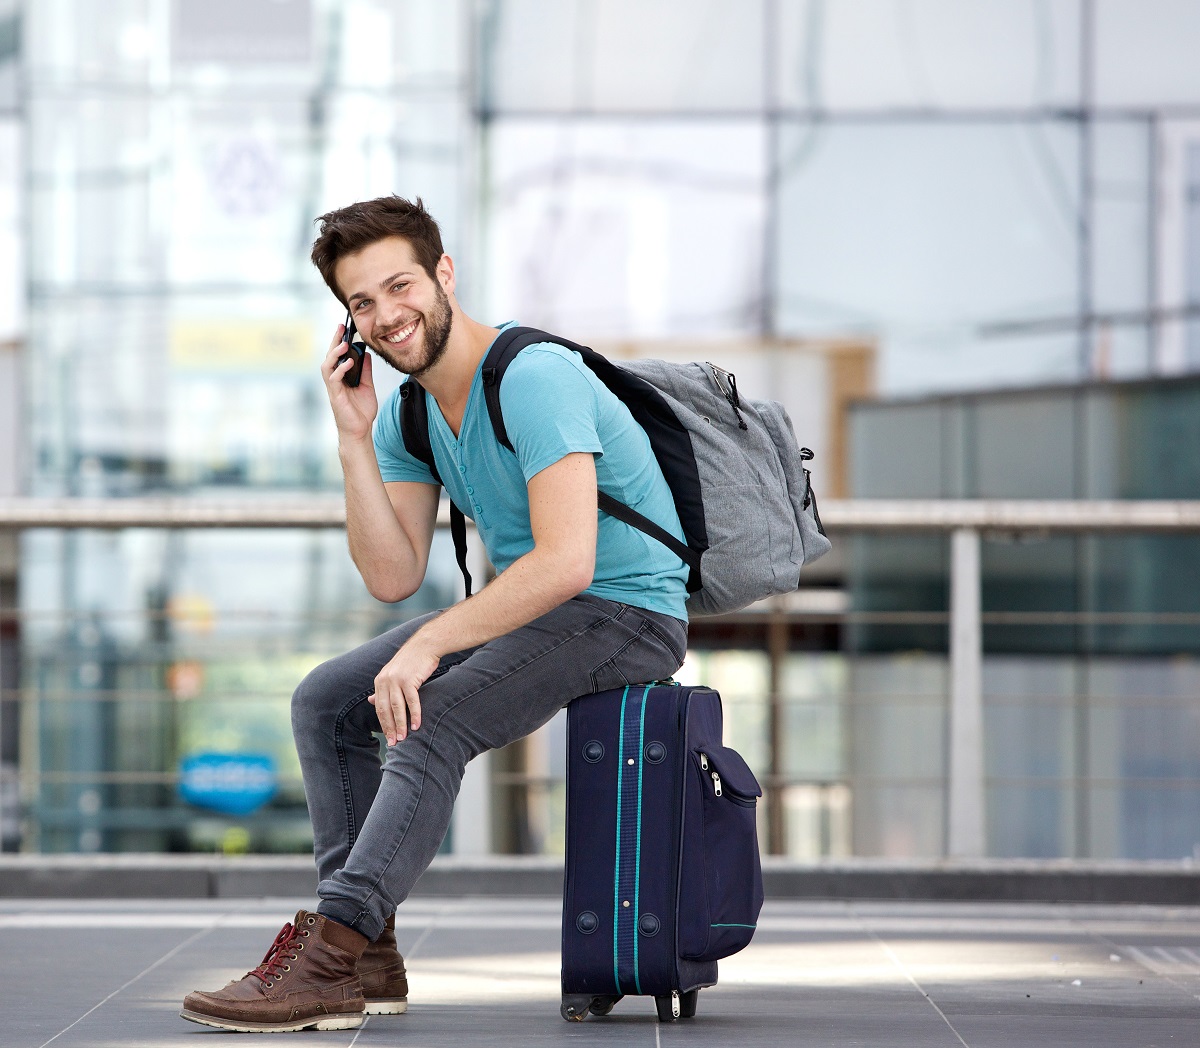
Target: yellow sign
(242, 346)
(192, 612)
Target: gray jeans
(376, 828)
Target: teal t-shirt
(553, 406)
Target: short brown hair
(350, 229)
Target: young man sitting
(581, 603)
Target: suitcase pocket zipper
(719, 789)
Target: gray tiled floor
(486, 971)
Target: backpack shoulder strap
(414, 431)
(503, 352)
(511, 341)
(648, 409)
(414, 425)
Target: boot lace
(282, 950)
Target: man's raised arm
(389, 527)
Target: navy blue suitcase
(662, 865)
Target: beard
(434, 338)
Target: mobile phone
(356, 351)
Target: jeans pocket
(644, 657)
(607, 676)
(676, 647)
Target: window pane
(615, 230)
(925, 233)
(936, 53)
(623, 55)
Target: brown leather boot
(381, 971)
(307, 979)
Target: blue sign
(231, 783)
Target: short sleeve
(550, 408)
(395, 463)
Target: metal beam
(1011, 515)
(839, 516)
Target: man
(581, 603)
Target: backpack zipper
(727, 384)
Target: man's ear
(445, 274)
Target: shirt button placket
(462, 468)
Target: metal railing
(965, 521)
(1015, 516)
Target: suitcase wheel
(578, 1006)
(603, 1005)
(575, 1006)
(676, 1005)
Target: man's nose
(391, 316)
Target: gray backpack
(738, 478)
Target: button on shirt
(553, 406)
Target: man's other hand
(397, 700)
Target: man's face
(400, 311)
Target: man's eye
(400, 287)
(361, 304)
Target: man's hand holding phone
(354, 352)
(347, 373)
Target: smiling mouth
(404, 334)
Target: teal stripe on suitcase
(626, 882)
(617, 864)
(637, 883)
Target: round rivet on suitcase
(655, 752)
(593, 752)
(587, 922)
(649, 924)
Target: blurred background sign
(242, 347)
(230, 783)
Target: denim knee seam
(343, 766)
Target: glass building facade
(177, 154)
(1091, 674)
(625, 171)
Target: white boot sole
(314, 1022)
(387, 1006)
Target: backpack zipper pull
(727, 384)
(735, 402)
(674, 1004)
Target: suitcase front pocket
(721, 884)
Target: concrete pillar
(472, 832)
(965, 803)
(11, 449)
